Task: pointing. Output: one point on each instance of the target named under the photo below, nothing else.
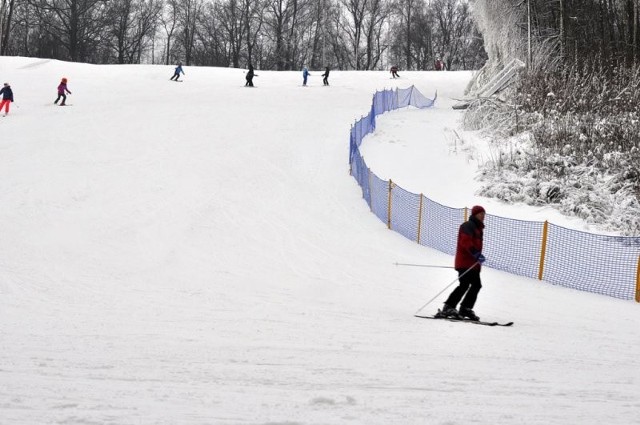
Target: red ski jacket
(469, 244)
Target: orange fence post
(420, 218)
(638, 282)
(389, 206)
(543, 248)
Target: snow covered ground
(197, 253)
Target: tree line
(561, 32)
(585, 29)
(271, 34)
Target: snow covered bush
(573, 140)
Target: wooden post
(543, 249)
(389, 205)
(420, 218)
(466, 214)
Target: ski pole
(446, 287)
(424, 265)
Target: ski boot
(447, 312)
(467, 313)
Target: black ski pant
(470, 285)
(176, 76)
(249, 82)
(325, 81)
(61, 96)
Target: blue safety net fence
(608, 265)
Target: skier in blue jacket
(305, 74)
(179, 70)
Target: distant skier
(249, 77)
(325, 77)
(62, 90)
(468, 262)
(394, 72)
(177, 72)
(7, 98)
(438, 65)
(305, 75)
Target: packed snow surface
(197, 253)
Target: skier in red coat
(467, 263)
(7, 98)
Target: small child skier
(177, 72)
(7, 98)
(249, 77)
(62, 88)
(305, 74)
(325, 77)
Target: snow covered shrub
(582, 152)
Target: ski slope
(197, 253)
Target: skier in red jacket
(467, 263)
(7, 98)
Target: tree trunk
(635, 31)
(562, 37)
(168, 50)
(6, 26)
(408, 41)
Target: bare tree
(212, 46)
(634, 30)
(7, 8)
(129, 23)
(373, 32)
(421, 37)
(76, 24)
(336, 42)
(169, 21)
(233, 27)
(188, 15)
(364, 27)
(451, 19)
(356, 11)
(253, 11)
(320, 11)
(403, 28)
(281, 14)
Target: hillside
(197, 253)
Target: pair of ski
(465, 320)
